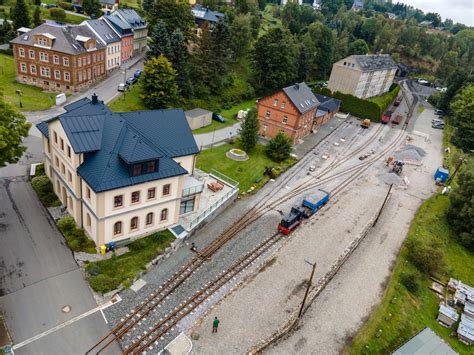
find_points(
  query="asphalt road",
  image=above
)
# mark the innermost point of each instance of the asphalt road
(38, 277)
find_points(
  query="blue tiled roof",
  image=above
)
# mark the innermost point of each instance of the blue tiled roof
(77, 104)
(328, 104)
(118, 24)
(43, 128)
(111, 142)
(131, 17)
(206, 14)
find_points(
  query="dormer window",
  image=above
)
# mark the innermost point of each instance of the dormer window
(137, 170)
(150, 167)
(42, 41)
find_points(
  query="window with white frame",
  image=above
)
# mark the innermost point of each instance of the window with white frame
(66, 61)
(44, 57)
(55, 59)
(275, 102)
(42, 41)
(33, 69)
(31, 54)
(267, 114)
(284, 120)
(23, 67)
(57, 75)
(67, 76)
(21, 52)
(45, 72)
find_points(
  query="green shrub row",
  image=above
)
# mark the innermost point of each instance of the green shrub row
(76, 238)
(44, 188)
(65, 5)
(361, 108)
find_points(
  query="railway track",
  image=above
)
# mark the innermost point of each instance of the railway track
(150, 339)
(154, 299)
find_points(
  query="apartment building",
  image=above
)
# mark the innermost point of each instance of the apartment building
(112, 41)
(59, 57)
(363, 75)
(290, 110)
(124, 30)
(139, 28)
(121, 175)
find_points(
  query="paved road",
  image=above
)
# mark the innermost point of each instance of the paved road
(38, 276)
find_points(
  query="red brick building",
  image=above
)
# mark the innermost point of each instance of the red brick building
(59, 58)
(290, 110)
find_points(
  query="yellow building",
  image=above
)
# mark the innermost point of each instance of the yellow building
(121, 175)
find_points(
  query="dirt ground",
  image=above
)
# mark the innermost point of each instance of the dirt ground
(264, 302)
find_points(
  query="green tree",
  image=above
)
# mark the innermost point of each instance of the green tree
(180, 61)
(448, 65)
(321, 42)
(460, 213)
(456, 81)
(6, 32)
(359, 46)
(304, 63)
(92, 7)
(246, 6)
(249, 131)
(274, 60)
(175, 14)
(279, 147)
(330, 7)
(57, 14)
(20, 15)
(147, 5)
(434, 18)
(37, 17)
(241, 35)
(462, 109)
(37, 2)
(13, 128)
(159, 43)
(159, 87)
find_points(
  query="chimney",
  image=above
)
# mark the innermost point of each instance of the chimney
(94, 99)
(297, 86)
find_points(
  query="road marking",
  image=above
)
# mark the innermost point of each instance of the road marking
(65, 324)
(103, 316)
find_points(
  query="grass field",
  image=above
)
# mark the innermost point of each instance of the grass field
(107, 275)
(402, 314)
(33, 98)
(245, 172)
(131, 102)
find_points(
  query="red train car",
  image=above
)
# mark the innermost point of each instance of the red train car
(387, 116)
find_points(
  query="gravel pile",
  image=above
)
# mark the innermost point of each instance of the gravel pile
(391, 178)
(409, 155)
(419, 150)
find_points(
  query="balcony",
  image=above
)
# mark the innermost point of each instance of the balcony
(193, 184)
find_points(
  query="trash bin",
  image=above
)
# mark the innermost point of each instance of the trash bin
(112, 246)
(103, 249)
(441, 174)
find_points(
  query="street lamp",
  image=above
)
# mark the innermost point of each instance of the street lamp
(19, 93)
(307, 289)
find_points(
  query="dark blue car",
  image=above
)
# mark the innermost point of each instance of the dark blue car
(137, 74)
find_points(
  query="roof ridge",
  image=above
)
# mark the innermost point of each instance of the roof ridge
(147, 141)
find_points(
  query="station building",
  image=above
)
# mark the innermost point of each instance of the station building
(121, 175)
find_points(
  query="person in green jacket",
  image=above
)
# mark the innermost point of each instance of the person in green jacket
(215, 324)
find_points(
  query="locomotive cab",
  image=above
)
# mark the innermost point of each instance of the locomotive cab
(292, 221)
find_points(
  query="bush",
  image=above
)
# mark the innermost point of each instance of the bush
(66, 224)
(94, 270)
(427, 256)
(44, 188)
(386, 99)
(40, 170)
(103, 283)
(65, 5)
(279, 148)
(354, 105)
(57, 14)
(411, 281)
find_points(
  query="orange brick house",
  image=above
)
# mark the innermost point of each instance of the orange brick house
(290, 110)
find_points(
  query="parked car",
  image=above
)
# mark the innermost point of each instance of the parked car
(437, 125)
(122, 87)
(51, 6)
(132, 80)
(218, 118)
(137, 74)
(437, 120)
(439, 112)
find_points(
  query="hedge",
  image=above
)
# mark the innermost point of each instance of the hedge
(76, 238)
(44, 188)
(360, 107)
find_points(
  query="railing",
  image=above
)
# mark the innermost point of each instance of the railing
(212, 208)
(192, 190)
(224, 178)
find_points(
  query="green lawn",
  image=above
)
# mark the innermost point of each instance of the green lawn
(229, 115)
(107, 275)
(401, 314)
(131, 102)
(70, 18)
(33, 98)
(245, 172)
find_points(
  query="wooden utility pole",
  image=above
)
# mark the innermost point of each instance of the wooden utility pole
(307, 288)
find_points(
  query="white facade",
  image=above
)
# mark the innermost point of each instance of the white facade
(113, 56)
(143, 209)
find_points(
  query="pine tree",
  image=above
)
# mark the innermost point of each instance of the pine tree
(37, 17)
(462, 108)
(147, 5)
(303, 63)
(180, 60)
(249, 131)
(159, 87)
(92, 7)
(20, 15)
(38, 2)
(160, 41)
(279, 148)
